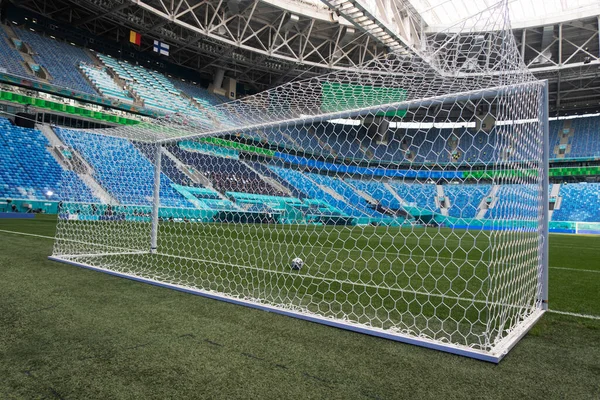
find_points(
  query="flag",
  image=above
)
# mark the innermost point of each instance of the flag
(135, 38)
(161, 48)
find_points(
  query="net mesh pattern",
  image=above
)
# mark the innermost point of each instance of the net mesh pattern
(405, 197)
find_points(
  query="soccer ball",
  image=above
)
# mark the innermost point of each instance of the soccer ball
(297, 264)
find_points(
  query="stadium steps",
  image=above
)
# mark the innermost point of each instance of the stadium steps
(294, 192)
(192, 100)
(291, 139)
(196, 176)
(395, 194)
(565, 135)
(327, 190)
(268, 180)
(554, 193)
(79, 165)
(370, 199)
(115, 77)
(483, 207)
(440, 195)
(12, 35)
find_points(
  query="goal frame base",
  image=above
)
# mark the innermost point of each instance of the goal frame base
(500, 350)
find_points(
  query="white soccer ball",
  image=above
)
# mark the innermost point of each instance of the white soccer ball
(297, 263)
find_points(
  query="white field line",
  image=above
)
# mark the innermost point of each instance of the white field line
(577, 269)
(71, 240)
(572, 314)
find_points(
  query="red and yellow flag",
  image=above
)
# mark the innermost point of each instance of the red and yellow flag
(135, 38)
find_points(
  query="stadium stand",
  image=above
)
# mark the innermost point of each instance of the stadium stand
(514, 201)
(29, 171)
(105, 83)
(421, 195)
(126, 165)
(464, 199)
(153, 88)
(586, 137)
(226, 174)
(378, 191)
(60, 59)
(580, 202)
(10, 59)
(201, 95)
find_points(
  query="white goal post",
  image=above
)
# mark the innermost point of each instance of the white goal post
(413, 192)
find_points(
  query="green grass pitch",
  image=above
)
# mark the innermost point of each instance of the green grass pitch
(68, 333)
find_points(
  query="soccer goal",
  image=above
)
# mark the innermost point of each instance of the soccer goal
(407, 199)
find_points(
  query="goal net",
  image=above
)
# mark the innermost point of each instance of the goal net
(407, 199)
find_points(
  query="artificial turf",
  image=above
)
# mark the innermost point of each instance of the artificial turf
(69, 333)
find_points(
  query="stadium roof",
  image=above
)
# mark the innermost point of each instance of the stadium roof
(439, 14)
(265, 43)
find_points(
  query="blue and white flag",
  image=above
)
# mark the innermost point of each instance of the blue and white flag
(161, 48)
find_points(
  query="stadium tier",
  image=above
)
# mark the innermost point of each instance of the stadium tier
(29, 171)
(10, 59)
(580, 202)
(465, 199)
(128, 165)
(379, 191)
(33, 172)
(201, 95)
(60, 59)
(153, 88)
(104, 83)
(226, 174)
(72, 67)
(585, 140)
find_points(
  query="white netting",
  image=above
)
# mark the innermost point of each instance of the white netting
(412, 191)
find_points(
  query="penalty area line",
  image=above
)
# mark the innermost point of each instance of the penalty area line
(28, 234)
(572, 314)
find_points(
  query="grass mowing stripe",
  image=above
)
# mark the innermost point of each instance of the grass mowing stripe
(402, 254)
(348, 282)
